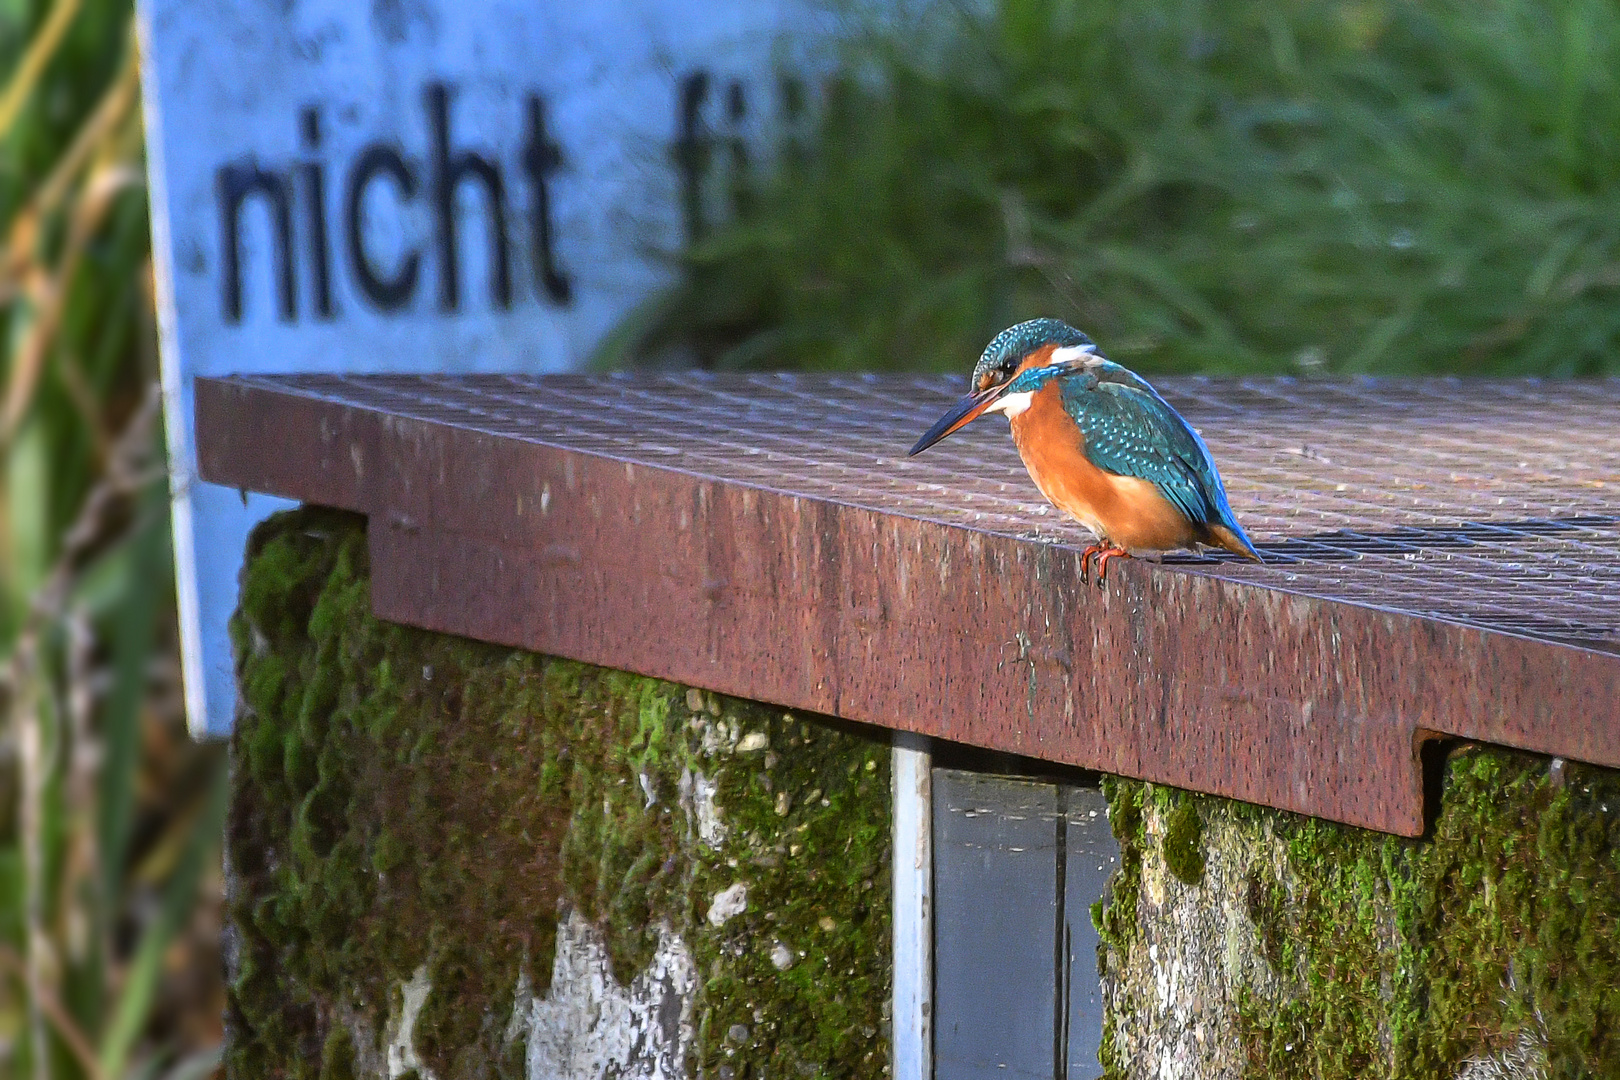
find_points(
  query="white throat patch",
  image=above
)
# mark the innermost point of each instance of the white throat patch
(1012, 404)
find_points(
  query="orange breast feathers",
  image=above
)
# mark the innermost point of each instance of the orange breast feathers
(1122, 510)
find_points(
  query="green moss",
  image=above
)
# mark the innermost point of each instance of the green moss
(404, 799)
(1183, 835)
(1115, 917)
(1393, 957)
(810, 836)
(337, 1055)
(1265, 901)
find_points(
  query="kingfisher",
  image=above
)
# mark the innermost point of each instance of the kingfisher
(1101, 445)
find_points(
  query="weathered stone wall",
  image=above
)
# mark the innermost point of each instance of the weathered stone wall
(1240, 942)
(452, 860)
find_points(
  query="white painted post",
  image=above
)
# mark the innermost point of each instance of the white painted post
(913, 908)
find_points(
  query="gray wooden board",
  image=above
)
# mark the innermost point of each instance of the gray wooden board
(1008, 946)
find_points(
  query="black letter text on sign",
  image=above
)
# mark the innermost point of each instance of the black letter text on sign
(448, 172)
(315, 202)
(387, 292)
(236, 184)
(541, 158)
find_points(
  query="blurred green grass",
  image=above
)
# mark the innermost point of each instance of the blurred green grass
(109, 815)
(1319, 186)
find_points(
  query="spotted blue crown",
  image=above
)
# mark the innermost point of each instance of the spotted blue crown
(1010, 346)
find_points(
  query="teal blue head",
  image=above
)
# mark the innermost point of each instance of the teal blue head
(1010, 351)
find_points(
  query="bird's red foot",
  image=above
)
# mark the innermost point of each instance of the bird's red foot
(1085, 562)
(1101, 553)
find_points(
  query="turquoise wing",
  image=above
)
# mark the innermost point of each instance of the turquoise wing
(1131, 431)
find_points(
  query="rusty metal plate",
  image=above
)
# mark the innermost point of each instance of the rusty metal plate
(1443, 558)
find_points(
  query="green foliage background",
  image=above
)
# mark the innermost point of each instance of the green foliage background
(109, 814)
(1326, 186)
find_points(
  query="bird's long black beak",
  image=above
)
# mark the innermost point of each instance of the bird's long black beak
(961, 414)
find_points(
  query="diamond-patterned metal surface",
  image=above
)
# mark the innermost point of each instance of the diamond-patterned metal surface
(1494, 504)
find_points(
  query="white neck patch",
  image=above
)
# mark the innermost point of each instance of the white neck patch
(1073, 354)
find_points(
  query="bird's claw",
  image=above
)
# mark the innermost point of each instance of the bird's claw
(1102, 563)
(1101, 553)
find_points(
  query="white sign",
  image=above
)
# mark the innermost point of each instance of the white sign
(421, 185)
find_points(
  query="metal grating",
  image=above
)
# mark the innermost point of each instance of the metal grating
(1492, 504)
(1443, 558)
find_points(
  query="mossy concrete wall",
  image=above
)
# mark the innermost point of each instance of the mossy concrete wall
(453, 860)
(1241, 942)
